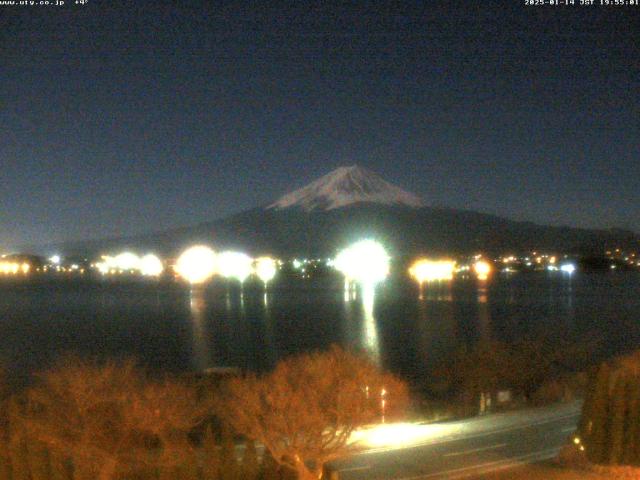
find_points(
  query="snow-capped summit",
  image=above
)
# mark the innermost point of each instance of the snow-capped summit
(346, 186)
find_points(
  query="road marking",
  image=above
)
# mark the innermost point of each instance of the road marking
(487, 467)
(355, 469)
(481, 449)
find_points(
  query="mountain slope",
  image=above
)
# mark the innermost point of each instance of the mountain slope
(351, 203)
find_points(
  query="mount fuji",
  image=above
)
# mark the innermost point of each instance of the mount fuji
(347, 186)
(351, 203)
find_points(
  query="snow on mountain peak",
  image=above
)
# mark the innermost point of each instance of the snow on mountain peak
(346, 186)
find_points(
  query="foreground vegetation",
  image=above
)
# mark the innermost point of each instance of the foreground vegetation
(536, 371)
(84, 421)
(609, 430)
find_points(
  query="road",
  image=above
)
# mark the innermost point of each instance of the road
(462, 449)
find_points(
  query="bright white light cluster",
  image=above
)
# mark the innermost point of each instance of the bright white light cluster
(235, 265)
(365, 261)
(149, 265)
(265, 268)
(424, 270)
(568, 268)
(197, 264)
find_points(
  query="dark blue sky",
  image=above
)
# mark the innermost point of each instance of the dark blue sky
(126, 117)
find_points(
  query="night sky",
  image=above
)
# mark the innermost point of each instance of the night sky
(122, 117)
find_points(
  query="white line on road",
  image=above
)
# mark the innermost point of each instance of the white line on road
(474, 450)
(355, 469)
(487, 467)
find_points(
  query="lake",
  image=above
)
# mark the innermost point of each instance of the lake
(169, 326)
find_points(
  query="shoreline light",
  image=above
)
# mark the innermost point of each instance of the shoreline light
(265, 269)
(482, 269)
(196, 264)
(425, 270)
(365, 262)
(151, 265)
(236, 265)
(568, 268)
(127, 261)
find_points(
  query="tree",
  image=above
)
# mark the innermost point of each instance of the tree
(109, 419)
(596, 418)
(610, 425)
(250, 465)
(619, 406)
(305, 411)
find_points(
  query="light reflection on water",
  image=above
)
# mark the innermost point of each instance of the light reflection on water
(201, 346)
(169, 326)
(370, 340)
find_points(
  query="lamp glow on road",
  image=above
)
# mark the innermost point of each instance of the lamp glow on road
(235, 265)
(425, 270)
(196, 264)
(265, 268)
(393, 436)
(365, 261)
(151, 265)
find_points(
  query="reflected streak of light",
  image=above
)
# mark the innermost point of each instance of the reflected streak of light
(371, 341)
(201, 351)
(484, 315)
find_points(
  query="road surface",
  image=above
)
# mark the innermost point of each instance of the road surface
(462, 449)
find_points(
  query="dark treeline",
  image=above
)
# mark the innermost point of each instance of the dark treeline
(539, 370)
(85, 420)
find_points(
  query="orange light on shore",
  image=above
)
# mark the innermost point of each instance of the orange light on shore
(482, 269)
(425, 270)
(13, 268)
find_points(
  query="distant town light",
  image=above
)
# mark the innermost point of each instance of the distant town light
(424, 270)
(151, 265)
(196, 264)
(265, 268)
(365, 261)
(235, 265)
(55, 259)
(568, 268)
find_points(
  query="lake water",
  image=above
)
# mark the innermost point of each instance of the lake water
(171, 327)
